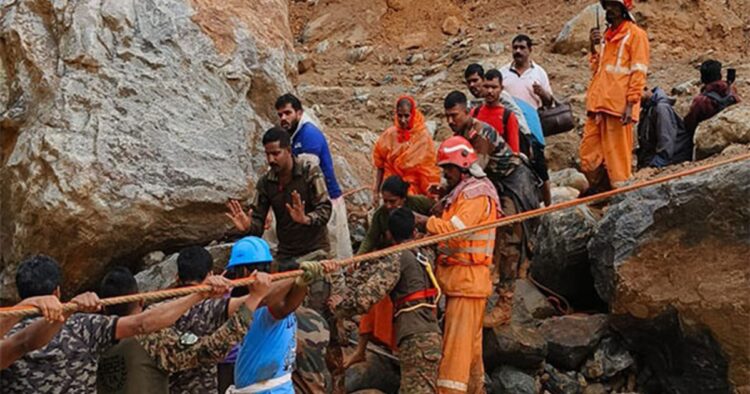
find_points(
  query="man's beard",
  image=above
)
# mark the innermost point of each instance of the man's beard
(291, 127)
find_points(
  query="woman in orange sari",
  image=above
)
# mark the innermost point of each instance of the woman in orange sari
(406, 149)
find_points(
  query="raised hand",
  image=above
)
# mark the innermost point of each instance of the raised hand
(50, 306)
(238, 216)
(297, 209)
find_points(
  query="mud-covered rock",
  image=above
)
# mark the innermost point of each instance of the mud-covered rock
(683, 244)
(529, 304)
(376, 373)
(731, 126)
(571, 339)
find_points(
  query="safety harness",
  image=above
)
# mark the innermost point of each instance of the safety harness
(431, 295)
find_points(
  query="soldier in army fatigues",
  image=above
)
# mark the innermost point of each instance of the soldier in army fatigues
(407, 278)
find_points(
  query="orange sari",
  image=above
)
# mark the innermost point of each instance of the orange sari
(408, 153)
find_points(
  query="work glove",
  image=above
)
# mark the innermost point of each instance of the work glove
(311, 272)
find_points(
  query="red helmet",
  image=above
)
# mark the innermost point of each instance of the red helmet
(457, 151)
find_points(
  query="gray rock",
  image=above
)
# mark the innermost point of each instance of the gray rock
(519, 346)
(685, 88)
(414, 58)
(571, 339)
(322, 46)
(359, 54)
(152, 258)
(561, 260)
(529, 303)
(558, 382)
(562, 194)
(164, 274)
(731, 126)
(574, 36)
(131, 127)
(569, 177)
(376, 373)
(511, 380)
(609, 359)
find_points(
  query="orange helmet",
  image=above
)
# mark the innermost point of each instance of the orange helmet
(458, 151)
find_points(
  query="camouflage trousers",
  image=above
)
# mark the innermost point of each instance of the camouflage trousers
(420, 358)
(313, 336)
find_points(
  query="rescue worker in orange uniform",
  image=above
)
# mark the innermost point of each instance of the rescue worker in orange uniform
(463, 264)
(613, 98)
(406, 149)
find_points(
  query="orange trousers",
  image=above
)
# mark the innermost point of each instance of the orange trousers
(606, 141)
(379, 323)
(461, 368)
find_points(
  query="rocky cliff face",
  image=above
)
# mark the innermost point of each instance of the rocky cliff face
(126, 124)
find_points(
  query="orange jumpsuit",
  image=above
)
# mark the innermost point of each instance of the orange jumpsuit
(409, 154)
(464, 277)
(620, 69)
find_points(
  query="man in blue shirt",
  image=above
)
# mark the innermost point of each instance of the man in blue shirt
(539, 162)
(308, 140)
(265, 361)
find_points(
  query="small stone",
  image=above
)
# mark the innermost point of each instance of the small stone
(510, 380)
(305, 65)
(609, 359)
(359, 54)
(684, 88)
(414, 58)
(322, 46)
(595, 388)
(560, 382)
(153, 258)
(396, 5)
(570, 339)
(529, 303)
(569, 177)
(491, 27)
(451, 26)
(417, 78)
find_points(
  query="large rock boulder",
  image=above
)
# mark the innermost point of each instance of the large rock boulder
(684, 244)
(731, 126)
(561, 259)
(511, 344)
(127, 124)
(571, 339)
(574, 36)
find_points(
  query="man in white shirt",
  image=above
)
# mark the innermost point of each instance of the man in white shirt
(525, 79)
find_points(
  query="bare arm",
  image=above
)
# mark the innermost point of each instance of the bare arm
(285, 298)
(376, 188)
(156, 318)
(30, 338)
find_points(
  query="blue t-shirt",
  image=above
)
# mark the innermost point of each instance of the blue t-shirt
(309, 139)
(532, 119)
(267, 352)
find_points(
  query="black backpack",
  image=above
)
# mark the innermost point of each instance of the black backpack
(721, 102)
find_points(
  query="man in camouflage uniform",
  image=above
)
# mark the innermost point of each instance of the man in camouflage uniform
(295, 190)
(407, 278)
(143, 364)
(68, 363)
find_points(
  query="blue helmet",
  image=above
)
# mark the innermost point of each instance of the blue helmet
(250, 250)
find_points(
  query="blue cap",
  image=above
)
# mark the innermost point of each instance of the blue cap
(250, 250)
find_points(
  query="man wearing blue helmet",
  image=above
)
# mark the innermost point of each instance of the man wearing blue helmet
(265, 360)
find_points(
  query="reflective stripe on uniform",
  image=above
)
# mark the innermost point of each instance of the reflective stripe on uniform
(261, 386)
(457, 223)
(452, 385)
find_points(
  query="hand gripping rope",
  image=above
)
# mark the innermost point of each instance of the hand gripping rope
(19, 311)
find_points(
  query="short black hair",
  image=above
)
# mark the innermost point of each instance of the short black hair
(395, 185)
(710, 71)
(472, 69)
(401, 224)
(523, 37)
(453, 99)
(277, 134)
(288, 98)
(119, 281)
(38, 275)
(193, 264)
(494, 74)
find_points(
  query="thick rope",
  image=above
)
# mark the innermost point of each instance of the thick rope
(20, 311)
